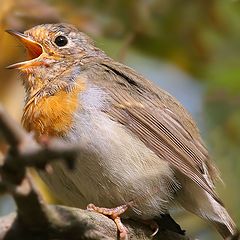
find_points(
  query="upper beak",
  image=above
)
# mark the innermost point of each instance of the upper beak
(34, 49)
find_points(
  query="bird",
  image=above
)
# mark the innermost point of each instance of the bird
(140, 152)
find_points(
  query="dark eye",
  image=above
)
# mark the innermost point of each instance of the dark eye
(61, 41)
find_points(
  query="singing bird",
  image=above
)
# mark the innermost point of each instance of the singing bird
(140, 152)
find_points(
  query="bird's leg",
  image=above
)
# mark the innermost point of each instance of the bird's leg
(114, 214)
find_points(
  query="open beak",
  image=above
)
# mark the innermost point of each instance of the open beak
(34, 50)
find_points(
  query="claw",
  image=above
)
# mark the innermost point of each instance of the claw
(153, 225)
(114, 214)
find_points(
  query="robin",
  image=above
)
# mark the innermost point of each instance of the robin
(140, 152)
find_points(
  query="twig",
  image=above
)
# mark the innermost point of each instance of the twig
(11, 131)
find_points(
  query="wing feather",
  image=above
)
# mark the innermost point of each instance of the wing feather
(159, 121)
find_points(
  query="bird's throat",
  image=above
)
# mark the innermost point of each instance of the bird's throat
(52, 115)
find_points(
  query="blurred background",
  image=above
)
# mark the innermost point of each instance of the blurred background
(189, 48)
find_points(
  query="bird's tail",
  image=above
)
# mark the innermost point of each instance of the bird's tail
(221, 220)
(196, 200)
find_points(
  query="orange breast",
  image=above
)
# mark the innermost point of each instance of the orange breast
(52, 115)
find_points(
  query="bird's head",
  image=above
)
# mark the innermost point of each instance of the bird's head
(52, 50)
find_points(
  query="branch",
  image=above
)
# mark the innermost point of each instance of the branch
(83, 225)
(13, 134)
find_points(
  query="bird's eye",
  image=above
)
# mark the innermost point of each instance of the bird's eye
(61, 41)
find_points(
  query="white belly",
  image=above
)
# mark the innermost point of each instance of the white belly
(113, 168)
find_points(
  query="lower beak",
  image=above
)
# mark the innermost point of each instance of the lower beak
(34, 49)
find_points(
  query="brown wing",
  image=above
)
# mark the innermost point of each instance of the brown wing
(159, 121)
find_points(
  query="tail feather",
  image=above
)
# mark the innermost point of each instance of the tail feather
(220, 219)
(196, 200)
(226, 233)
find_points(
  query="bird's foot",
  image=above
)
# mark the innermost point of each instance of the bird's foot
(114, 214)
